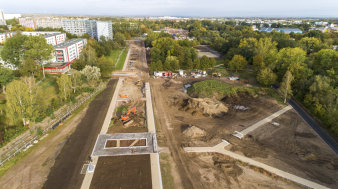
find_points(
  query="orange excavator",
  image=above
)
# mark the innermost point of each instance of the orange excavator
(123, 96)
(125, 116)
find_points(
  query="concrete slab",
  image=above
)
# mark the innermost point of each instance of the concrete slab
(100, 148)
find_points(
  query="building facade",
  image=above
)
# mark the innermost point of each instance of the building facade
(40, 22)
(4, 36)
(77, 27)
(282, 30)
(105, 29)
(2, 18)
(69, 50)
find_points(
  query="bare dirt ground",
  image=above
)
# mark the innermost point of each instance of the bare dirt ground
(66, 171)
(32, 171)
(122, 172)
(292, 146)
(204, 50)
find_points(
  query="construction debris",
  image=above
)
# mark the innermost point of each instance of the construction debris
(194, 132)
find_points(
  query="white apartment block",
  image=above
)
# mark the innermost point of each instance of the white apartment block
(77, 27)
(69, 50)
(105, 29)
(41, 22)
(55, 39)
(27, 22)
(2, 18)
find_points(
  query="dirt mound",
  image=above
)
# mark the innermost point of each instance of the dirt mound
(194, 132)
(206, 106)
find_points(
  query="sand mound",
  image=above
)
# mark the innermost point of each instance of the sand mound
(194, 132)
(206, 106)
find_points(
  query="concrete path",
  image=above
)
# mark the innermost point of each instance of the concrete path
(154, 157)
(244, 132)
(219, 148)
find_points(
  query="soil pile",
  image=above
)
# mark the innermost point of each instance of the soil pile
(206, 106)
(194, 132)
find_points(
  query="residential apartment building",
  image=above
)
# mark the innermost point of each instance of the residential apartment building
(41, 22)
(69, 50)
(2, 18)
(55, 39)
(105, 29)
(4, 36)
(77, 27)
(282, 30)
(93, 28)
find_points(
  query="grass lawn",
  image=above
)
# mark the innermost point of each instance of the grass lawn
(115, 54)
(49, 87)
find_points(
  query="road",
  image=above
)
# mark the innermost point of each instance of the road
(66, 171)
(327, 139)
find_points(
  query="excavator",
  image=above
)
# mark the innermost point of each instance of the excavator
(123, 96)
(125, 116)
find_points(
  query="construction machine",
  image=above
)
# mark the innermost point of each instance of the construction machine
(123, 96)
(126, 120)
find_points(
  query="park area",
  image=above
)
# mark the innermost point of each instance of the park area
(211, 111)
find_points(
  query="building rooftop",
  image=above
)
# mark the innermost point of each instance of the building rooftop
(68, 43)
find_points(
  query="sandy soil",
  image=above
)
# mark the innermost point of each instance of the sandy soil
(32, 171)
(292, 147)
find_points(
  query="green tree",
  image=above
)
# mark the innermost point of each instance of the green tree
(64, 83)
(156, 55)
(285, 87)
(36, 48)
(309, 44)
(75, 77)
(120, 39)
(248, 47)
(6, 76)
(258, 63)
(106, 66)
(266, 77)
(156, 66)
(29, 67)
(268, 50)
(204, 63)
(13, 50)
(238, 62)
(19, 104)
(325, 59)
(171, 63)
(92, 73)
(291, 56)
(87, 57)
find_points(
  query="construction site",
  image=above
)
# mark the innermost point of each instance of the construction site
(242, 141)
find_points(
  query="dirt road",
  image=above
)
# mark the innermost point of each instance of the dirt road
(66, 171)
(32, 171)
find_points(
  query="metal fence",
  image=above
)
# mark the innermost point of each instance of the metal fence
(27, 139)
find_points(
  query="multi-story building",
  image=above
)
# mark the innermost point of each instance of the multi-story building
(282, 30)
(69, 50)
(105, 29)
(2, 18)
(41, 22)
(93, 28)
(77, 27)
(55, 39)
(4, 36)
(27, 22)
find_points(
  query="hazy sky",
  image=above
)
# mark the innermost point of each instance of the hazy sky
(219, 8)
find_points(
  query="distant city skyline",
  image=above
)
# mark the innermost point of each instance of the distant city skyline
(184, 8)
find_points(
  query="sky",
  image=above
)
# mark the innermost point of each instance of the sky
(188, 8)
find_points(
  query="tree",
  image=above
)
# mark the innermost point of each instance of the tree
(248, 47)
(64, 83)
(285, 87)
(6, 76)
(75, 76)
(266, 77)
(120, 39)
(87, 57)
(309, 44)
(36, 48)
(12, 52)
(291, 56)
(171, 63)
(19, 103)
(238, 62)
(325, 59)
(204, 62)
(268, 50)
(92, 73)
(258, 63)
(156, 66)
(106, 66)
(29, 67)
(156, 55)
